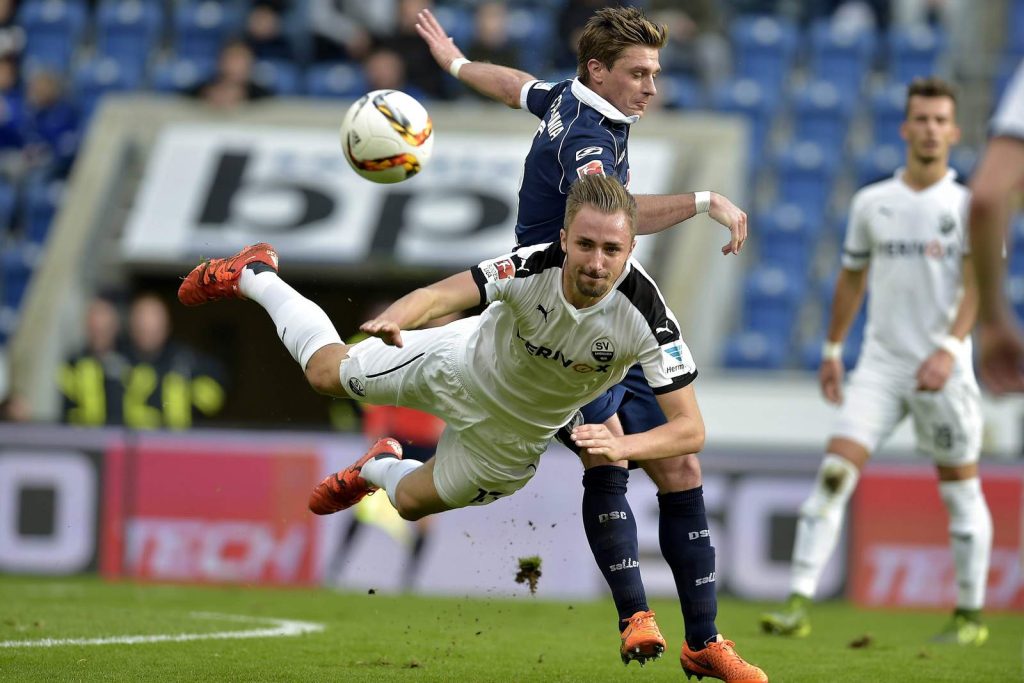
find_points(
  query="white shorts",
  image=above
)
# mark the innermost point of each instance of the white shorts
(477, 459)
(947, 423)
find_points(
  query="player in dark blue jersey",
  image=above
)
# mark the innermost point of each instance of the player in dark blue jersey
(584, 129)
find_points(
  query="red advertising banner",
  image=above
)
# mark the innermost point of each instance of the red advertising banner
(209, 512)
(900, 552)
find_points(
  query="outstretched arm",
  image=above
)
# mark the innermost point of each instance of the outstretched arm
(500, 83)
(660, 211)
(456, 293)
(682, 434)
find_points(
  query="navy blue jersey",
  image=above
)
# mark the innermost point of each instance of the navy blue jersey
(580, 134)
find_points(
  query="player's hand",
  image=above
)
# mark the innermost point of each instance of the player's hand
(1002, 355)
(599, 440)
(441, 45)
(388, 331)
(732, 217)
(830, 376)
(935, 370)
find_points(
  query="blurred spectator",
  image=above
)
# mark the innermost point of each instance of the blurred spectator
(92, 379)
(571, 20)
(697, 45)
(233, 84)
(344, 29)
(385, 70)
(169, 385)
(52, 124)
(264, 32)
(421, 71)
(14, 408)
(491, 42)
(12, 36)
(12, 106)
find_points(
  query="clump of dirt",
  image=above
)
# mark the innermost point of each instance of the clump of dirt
(529, 572)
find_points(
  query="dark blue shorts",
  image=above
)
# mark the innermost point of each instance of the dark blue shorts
(632, 399)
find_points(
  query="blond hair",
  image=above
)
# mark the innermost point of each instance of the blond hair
(611, 31)
(604, 193)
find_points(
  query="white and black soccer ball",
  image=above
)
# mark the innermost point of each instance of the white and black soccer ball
(387, 136)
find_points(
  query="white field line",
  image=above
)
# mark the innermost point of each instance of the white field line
(280, 628)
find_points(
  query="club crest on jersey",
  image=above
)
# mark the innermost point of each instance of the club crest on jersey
(501, 269)
(946, 224)
(356, 386)
(602, 350)
(594, 167)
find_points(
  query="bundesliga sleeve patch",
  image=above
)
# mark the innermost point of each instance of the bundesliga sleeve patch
(594, 167)
(676, 360)
(502, 269)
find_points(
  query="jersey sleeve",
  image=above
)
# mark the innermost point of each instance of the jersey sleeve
(495, 276)
(586, 151)
(1008, 121)
(857, 245)
(666, 359)
(537, 96)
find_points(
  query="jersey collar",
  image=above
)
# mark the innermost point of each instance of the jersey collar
(948, 178)
(595, 101)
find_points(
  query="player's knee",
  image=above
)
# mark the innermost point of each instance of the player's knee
(836, 480)
(408, 508)
(675, 474)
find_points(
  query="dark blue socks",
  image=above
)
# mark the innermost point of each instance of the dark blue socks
(611, 531)
(686, 545)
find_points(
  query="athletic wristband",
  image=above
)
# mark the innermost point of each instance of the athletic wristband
(702, 201)
(457, 64)
(832, 350)
(953, 344)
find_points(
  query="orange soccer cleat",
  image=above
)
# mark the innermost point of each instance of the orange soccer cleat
(642, 639)
(218, 278)
(344, 489)
(719, 660)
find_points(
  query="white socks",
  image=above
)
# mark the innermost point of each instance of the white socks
(303, 326)
(821, 520)
(970, 534)
(385, 473)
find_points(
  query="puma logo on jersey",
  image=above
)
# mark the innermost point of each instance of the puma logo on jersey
(544, 312)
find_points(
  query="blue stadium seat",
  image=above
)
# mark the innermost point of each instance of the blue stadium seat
(755, 351)
(53, 31)
(40, 205)
(764, 48)
(281, 78)
(128, 30)
(336, 80)
(914, 52)
(786, 239)
(532, 31)
(888, 105)
(16, 264)
(822, 112)
(1015, 28)
(805, 174)
(8, 200)
(878, 163)
(680, 92)
(963, 159)
(770, 298)
(841, 55)
(101, 75)
(757, 103)
(202, 27)
(176, 75)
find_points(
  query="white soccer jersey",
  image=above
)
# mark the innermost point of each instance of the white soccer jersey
(534, 358)
(915, 242)
(1009, 117)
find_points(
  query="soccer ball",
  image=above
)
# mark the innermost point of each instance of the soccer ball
(387, 136)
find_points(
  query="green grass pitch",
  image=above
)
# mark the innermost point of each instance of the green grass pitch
(408, 638)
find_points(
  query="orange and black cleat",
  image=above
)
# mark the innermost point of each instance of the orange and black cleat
(344, 489)
(641, 639)
(218, 278)
(719, 660)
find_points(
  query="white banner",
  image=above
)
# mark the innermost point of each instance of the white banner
(209, 189)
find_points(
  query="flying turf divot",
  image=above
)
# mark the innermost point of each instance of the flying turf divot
(278, 628)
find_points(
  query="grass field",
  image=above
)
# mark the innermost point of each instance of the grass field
(405, 638)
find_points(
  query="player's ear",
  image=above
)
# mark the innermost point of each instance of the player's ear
(563, 239)
(596, 70)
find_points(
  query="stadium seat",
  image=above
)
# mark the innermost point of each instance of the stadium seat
(888, 105)
(177, 75)
(680, 92)
(963, 159)
(1015, 28)
(764, 48)
(39, 207)
(758, 104)
(98, 76)
(821, 113)
(532, 31)
(16, 263)
(336, 80)
(786, 239)
(281, 78)
(914, 52)
(8, 200)
(805, 173)
(128, 30)
(770, 298)
(840, 54)
(878, 163)
(53, 31)
(202, 27)
(755, 351)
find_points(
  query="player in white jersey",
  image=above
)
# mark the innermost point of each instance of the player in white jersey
(999, 176)
(916, 361)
